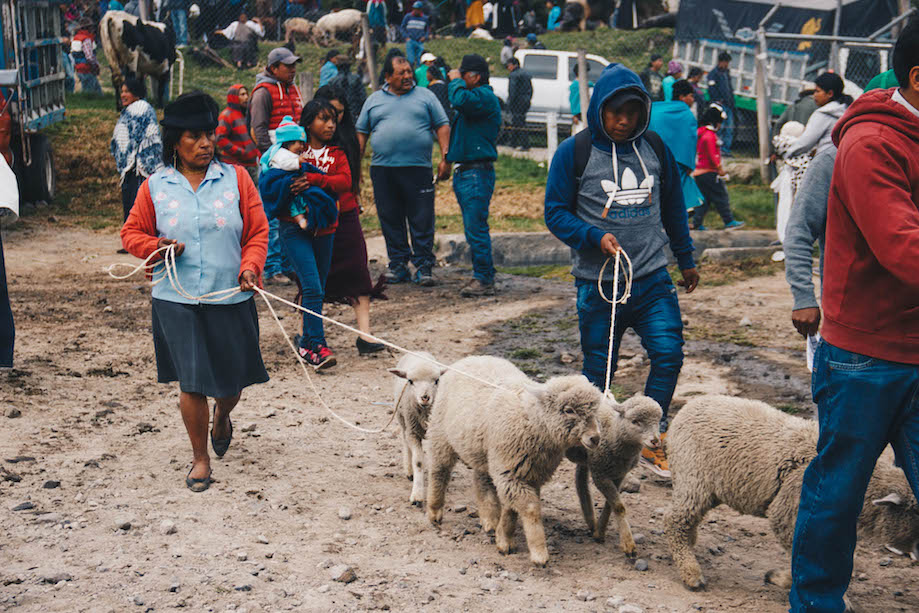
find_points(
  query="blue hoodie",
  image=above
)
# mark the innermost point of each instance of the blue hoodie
(644, 202)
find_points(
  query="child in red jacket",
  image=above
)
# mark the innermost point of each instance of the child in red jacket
(709, 173)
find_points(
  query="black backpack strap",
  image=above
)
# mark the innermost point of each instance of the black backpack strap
(582, 147)
(657, 144)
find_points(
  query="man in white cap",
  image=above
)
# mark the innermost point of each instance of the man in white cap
(421, 73)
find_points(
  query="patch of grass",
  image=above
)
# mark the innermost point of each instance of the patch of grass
(540, 272)
(521, 172)
(753, 204)
(791, 409)
(525, 354)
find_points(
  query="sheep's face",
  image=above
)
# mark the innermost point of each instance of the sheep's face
(571, 405)
(642, 419)
(897, 524)
(421, 383)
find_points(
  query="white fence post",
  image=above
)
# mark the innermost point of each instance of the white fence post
(551, 134)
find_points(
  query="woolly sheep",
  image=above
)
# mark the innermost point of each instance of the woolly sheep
(625, 429)
(418, 378)
(513, 441)
(340, 22)
(307, 30)
(752, 457)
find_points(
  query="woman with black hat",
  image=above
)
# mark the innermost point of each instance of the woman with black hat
(211, 212)
(136, 144)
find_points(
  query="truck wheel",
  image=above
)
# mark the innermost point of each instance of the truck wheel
(41, 176)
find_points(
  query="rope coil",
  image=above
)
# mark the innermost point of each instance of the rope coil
(626, 294)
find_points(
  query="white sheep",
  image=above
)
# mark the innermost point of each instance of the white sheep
(752, 457)
(625, 429)
(414, 391)
(345, 21)
(513, 439)
(305, 30)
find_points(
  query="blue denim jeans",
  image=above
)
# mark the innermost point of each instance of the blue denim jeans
(653, 312)
(413, 51)
(180, 23)
(863, 404)
(727, 131)
(311, 257)
(277, 261)
(473, 189)
(89, 83)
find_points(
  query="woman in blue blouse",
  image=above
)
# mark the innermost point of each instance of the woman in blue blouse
(211, 212)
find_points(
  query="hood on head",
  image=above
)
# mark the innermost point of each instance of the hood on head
(877, 106)
(264, 77)
(233, 95)
(614, 79)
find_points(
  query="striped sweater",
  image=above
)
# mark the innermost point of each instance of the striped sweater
(233, 140)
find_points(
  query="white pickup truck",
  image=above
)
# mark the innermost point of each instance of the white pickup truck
(552, 72)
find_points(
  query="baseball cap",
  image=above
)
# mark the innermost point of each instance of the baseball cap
(282, 55)
(418, 5)
(428, 57)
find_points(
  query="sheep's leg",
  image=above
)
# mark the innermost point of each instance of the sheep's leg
(681, 526)
(524, 499)
(417, 459)
(582, 485)
(781, 578)
(504, 535)
(443, 459)
(487, 501)
(406, 455)
(613, 503)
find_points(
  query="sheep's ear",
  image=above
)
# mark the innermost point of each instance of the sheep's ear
(399, 373)
(536, 389)
(892, 499)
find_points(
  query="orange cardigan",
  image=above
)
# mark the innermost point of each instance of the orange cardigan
(139, 237)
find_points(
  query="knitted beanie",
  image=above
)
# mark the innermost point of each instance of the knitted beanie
(288, 131)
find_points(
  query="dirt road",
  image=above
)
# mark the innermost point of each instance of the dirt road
(101, 454)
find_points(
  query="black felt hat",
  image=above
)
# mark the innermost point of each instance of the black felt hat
(191, 111)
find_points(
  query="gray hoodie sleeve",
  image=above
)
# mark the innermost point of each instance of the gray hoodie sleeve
(818, 126)
(806, 225)
(259, 113)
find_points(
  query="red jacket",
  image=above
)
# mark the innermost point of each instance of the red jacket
(233, 140)
(337, 178)
(871, 261)
(139, 235)
(708, 157)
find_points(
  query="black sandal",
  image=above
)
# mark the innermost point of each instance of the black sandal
(221, 445)
(197, 485)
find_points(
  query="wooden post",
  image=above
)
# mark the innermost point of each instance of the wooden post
(369, 56)
(305, 85)
(763, 104)
(582, 84)
(552, 133)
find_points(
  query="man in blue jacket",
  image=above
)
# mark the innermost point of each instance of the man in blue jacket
(721, 90)
(628, 197)
(473, 139)
(416, 28)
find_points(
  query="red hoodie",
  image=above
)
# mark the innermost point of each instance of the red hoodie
(871, 270)
(233, 140)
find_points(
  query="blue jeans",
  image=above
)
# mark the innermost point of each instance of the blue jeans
(413, 51)
(863, 404)
(276, 262)
(405, 194)
(180, 23)
(473, 189)
(89, 83)
(653, 312)
(311, 257)
(727, 131)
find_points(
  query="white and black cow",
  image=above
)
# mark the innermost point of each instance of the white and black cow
(134, 47)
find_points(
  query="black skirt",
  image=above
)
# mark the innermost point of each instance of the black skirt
(210, 349)
(349, 276)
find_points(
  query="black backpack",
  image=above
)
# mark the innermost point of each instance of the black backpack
(582, 146)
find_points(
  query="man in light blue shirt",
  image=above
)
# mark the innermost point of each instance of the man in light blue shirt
(400, 121)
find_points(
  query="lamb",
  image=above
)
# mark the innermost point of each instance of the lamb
(342, 22)
(626, 428)
(306, 30)
(414, 391)
(752, 457)
(513, 441)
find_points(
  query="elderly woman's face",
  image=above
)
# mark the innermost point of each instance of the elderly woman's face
(127, 97)
(195, 149)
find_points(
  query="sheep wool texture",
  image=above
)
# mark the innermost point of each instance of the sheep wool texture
(752, 457)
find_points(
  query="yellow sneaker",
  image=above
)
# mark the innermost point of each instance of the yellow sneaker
(655, 460)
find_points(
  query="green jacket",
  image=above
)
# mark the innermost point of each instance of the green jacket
(474, 133)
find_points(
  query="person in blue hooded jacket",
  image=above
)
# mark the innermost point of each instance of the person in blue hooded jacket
(628, 197)
(676, 125)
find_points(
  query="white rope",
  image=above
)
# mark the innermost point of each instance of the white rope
(169, 272)
(626, 294)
